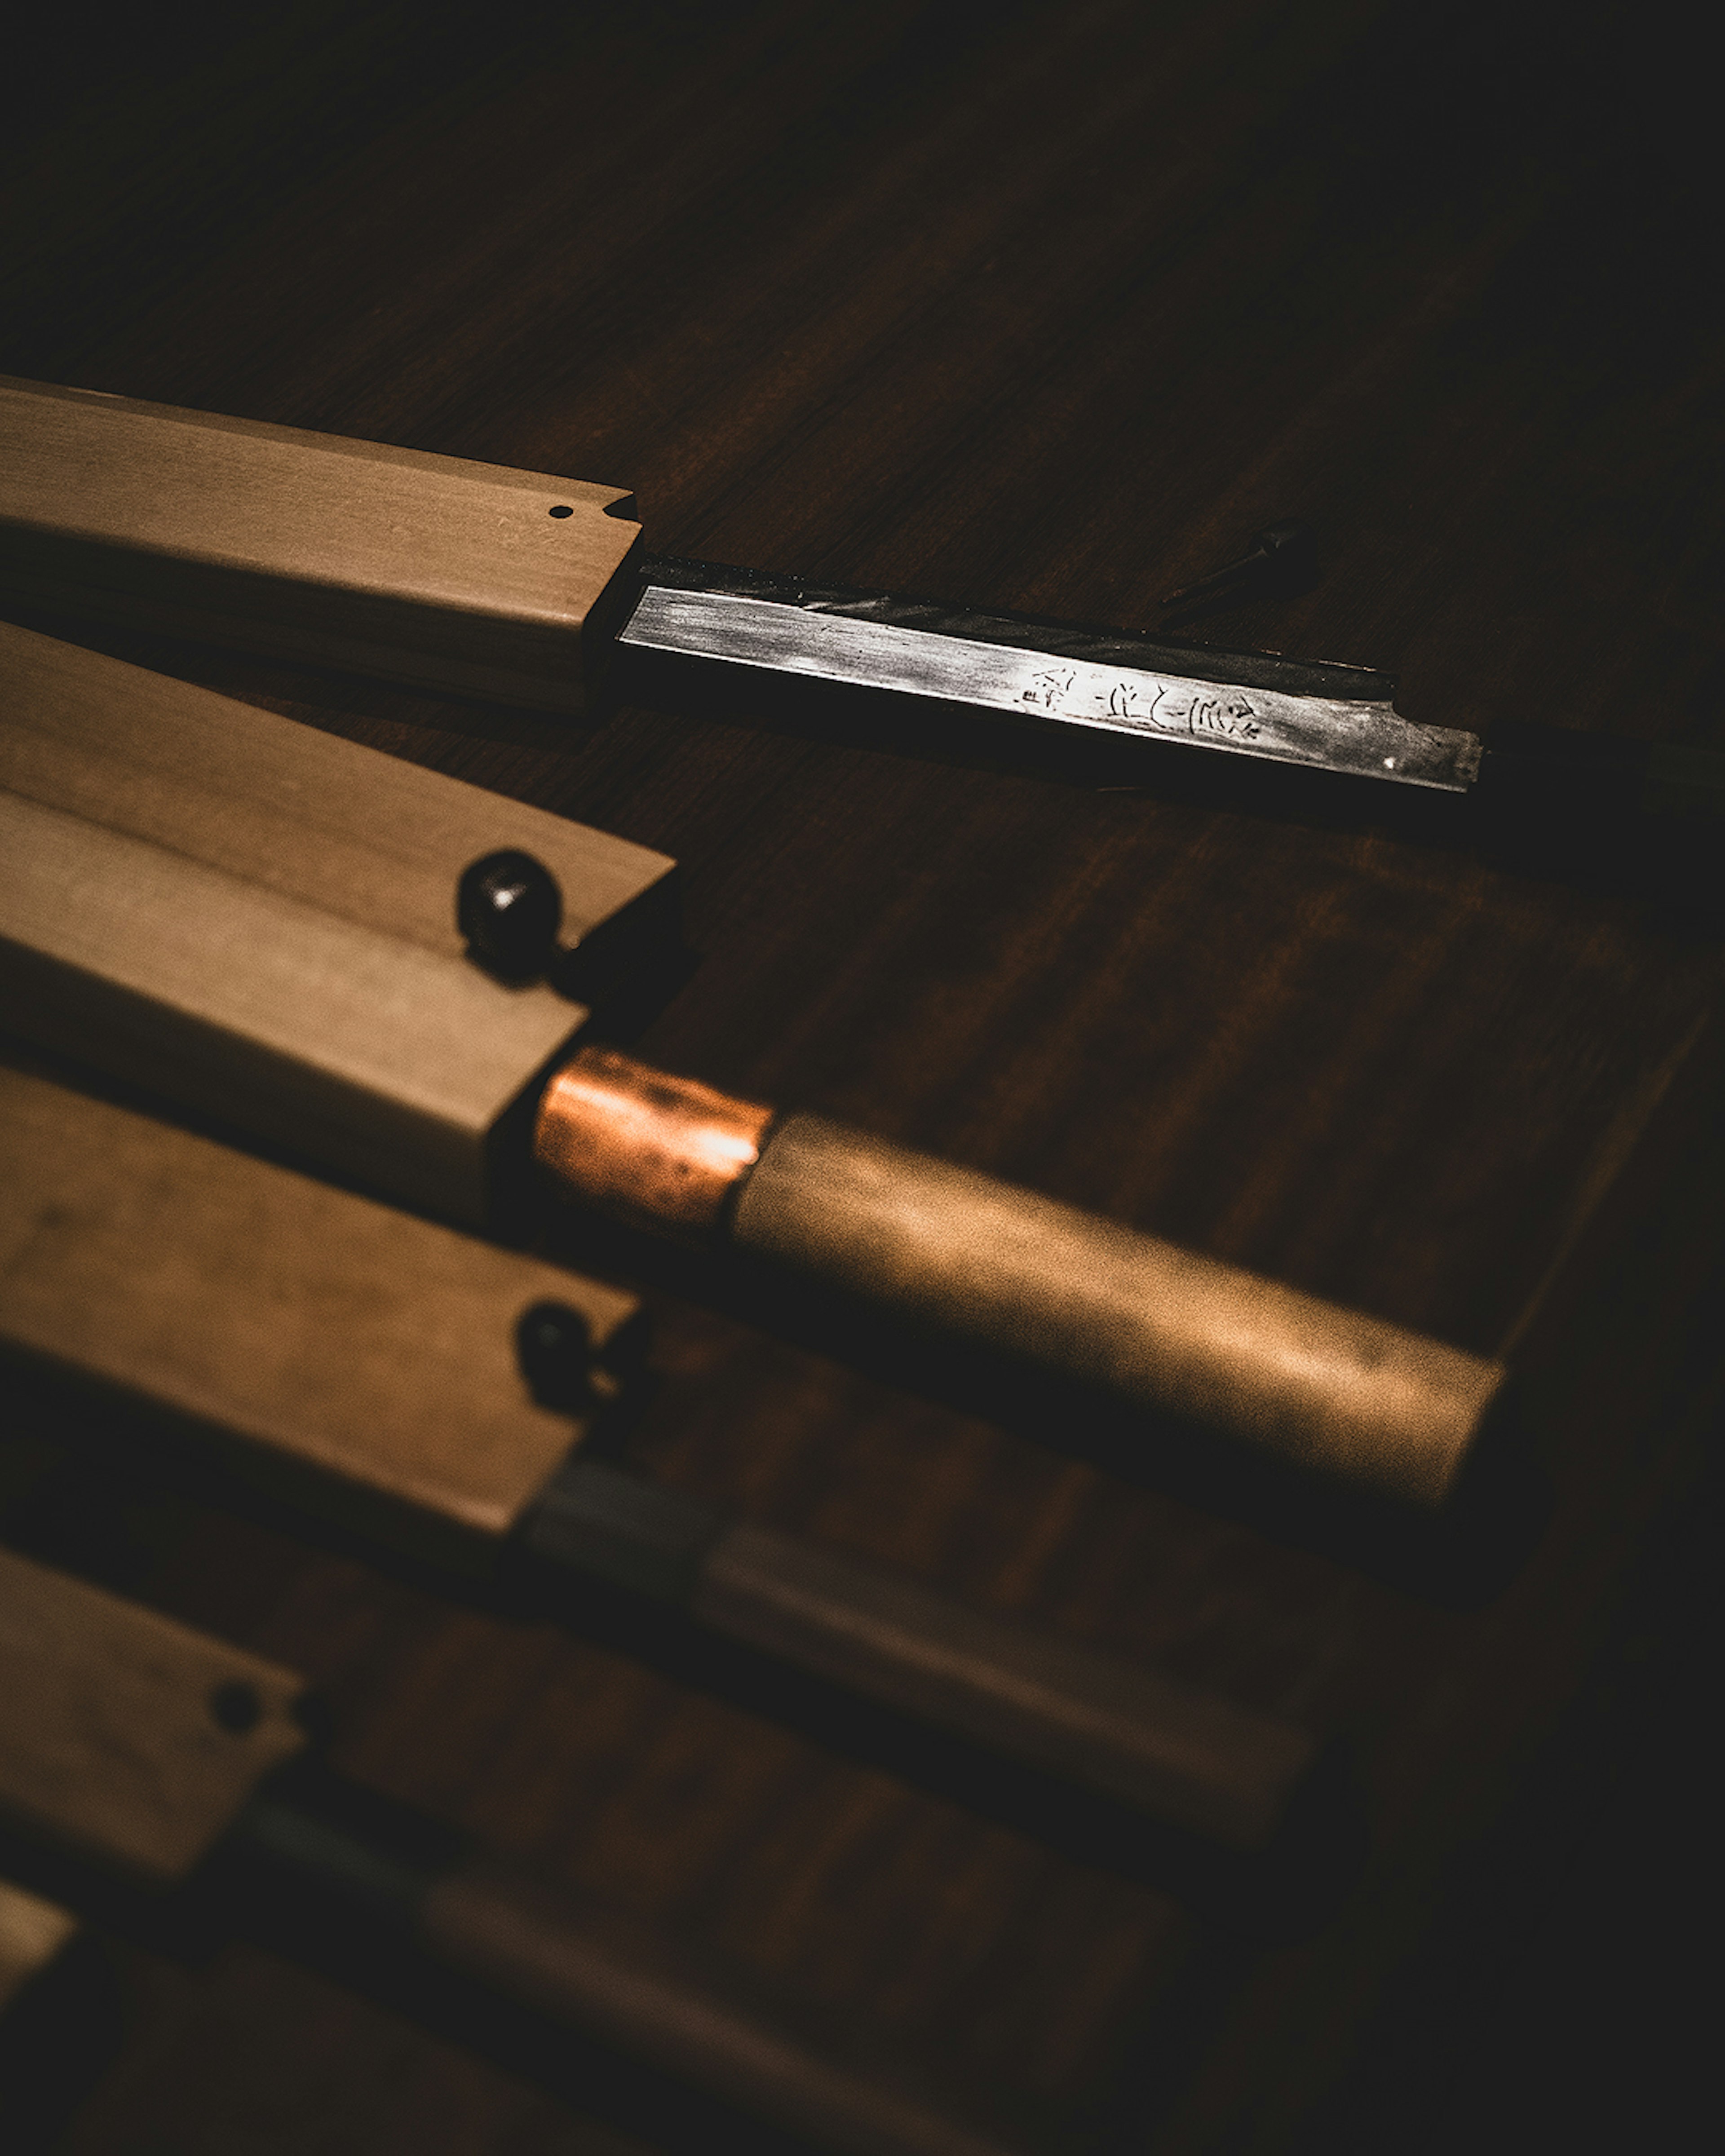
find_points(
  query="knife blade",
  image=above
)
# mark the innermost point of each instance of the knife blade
(1324, 716)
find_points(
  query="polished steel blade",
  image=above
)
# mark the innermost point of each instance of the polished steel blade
(834, 642)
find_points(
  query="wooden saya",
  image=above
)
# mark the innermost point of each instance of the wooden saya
(455, 576)
(257, 919)
(143, 1750)
(349, 1356)
(33, 1934)
(129, 1740)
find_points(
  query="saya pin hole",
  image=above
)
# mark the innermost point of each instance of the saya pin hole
(563, 510)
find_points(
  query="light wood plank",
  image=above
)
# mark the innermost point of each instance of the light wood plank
(354, 832)
(126, 1737)
(33, 1931)
(429, 569)
(298, 1327)
(260, 918)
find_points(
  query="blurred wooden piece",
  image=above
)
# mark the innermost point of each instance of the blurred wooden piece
(1173, 1752)
(33, 1931)
(457, 576)
(138, 1744)
(126, 1738)
(519, 1936)
(314, 1331)
(230, 907)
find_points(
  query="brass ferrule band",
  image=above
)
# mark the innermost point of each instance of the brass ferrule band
(656, 1151)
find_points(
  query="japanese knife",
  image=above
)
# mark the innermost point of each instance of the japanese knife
(280, 929)
(529, 588)
(161, 1780)
(428, 1392)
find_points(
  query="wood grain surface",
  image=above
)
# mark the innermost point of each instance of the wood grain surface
(148, 515)
(1051, 309)
(311, 1328)
(229, 906)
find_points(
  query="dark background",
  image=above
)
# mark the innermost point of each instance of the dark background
(1044, 308)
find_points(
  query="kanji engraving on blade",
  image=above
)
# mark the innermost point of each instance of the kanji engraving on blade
(1358, 735)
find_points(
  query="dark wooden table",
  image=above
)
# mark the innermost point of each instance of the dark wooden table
(1044, 308)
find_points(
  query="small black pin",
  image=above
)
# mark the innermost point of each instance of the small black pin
(508, 911)
(1283, 560)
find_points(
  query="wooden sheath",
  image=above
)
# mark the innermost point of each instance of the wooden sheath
(126, 1738)
(462, 576)
(362, 1352)
(32, 1933)
(259, 919)
(136, 1744)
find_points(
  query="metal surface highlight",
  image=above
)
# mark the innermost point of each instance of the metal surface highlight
(656, 1151)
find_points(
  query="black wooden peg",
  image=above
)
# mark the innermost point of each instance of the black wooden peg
(553, 1347)
(508, 910)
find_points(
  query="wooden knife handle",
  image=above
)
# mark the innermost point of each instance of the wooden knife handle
(545, 1950)
(1161, 1329)
(316, 1856)
(1167, 1751)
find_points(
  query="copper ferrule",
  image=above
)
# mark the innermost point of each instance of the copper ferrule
(656, 1151)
